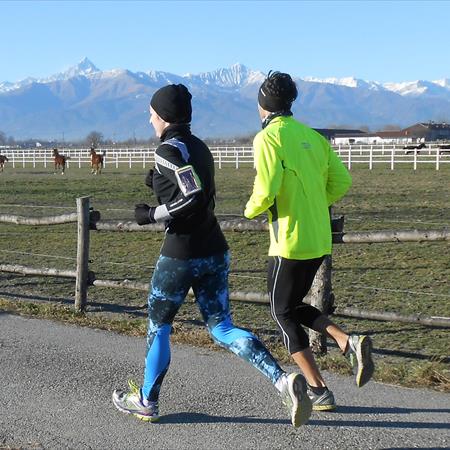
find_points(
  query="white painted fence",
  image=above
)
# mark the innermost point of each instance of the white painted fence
(114, 156)
(389, 155)
(392, 155)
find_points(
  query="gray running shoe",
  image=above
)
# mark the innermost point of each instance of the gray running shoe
(322, 402)
(294, 396)
(360, 353)
(130, 403)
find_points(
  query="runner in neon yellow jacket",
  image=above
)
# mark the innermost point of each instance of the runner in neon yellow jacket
(298, 177)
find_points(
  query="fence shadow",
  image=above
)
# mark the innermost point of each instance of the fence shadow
(399, 353)
(140, 311)
(379, 268)
(409, 355)
(389, 424)
(387, 410)
(63, 300)
(380, 424)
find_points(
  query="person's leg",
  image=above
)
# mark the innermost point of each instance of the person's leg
(358, 348)
(324, 325)
(211, 291)
(303, 273)
(169, 286)
(307, 364)
(288, 282)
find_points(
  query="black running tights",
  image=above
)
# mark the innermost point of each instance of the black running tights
(288, 282)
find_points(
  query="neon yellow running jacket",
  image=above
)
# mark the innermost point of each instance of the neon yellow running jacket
(298, 176)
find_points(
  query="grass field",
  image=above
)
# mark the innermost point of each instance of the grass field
(406, 278)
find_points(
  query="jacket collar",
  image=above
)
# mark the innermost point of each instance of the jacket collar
(176, 130)
(274, 115)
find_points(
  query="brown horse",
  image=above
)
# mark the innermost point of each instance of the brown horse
(96, 162)
(3, 159)
(60, 161)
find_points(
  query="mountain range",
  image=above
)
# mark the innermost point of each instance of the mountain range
(115, 102)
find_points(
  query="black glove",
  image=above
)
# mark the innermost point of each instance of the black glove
(149, 179)
(144, 214)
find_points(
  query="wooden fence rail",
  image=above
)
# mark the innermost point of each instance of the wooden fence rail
(54, 220)
(320, 295)
(368, 237)
(46, 271)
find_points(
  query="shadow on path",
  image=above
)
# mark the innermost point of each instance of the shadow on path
(386, 410)
(380, 424)
(189, 417)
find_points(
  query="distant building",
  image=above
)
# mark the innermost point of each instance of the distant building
(364, 138)
(428, 132)
(420, 132)
(392, 137)
(332, 133)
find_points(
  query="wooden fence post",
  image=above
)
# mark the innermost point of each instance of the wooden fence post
(321, 297)
(81, 283)
(321, 292)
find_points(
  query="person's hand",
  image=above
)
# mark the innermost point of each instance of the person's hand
(244, 216)
(149, 179)
(144, 214)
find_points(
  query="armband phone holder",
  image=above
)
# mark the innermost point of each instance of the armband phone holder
(188, 181)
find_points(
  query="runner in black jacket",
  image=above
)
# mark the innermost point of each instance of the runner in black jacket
(192, 228)
(194, 254)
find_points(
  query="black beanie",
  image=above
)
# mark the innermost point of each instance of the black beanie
(277, 92)
(173, 103)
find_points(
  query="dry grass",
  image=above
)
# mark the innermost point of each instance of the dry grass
(413, 277)
(432, 374)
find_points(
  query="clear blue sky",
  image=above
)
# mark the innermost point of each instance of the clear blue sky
(372, 40)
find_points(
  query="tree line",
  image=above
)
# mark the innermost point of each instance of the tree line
(96, 139)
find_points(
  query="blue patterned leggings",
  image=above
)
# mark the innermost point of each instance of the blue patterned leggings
(208, 278)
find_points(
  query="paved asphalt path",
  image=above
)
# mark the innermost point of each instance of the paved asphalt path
(57, 379)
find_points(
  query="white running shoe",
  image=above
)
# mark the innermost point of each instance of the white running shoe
(359, 351)
(294, 396)
(322, 402)
(131, 403)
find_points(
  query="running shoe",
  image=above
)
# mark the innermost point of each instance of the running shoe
(294, 396)
(359, 350)
(322, 402)
(131, 403)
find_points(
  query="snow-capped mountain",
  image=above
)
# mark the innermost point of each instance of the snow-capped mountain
(83, 69)
(445, 82)
(411, 88)
(115, 102)
(351, 82)
(420, 87)
(236, 76)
